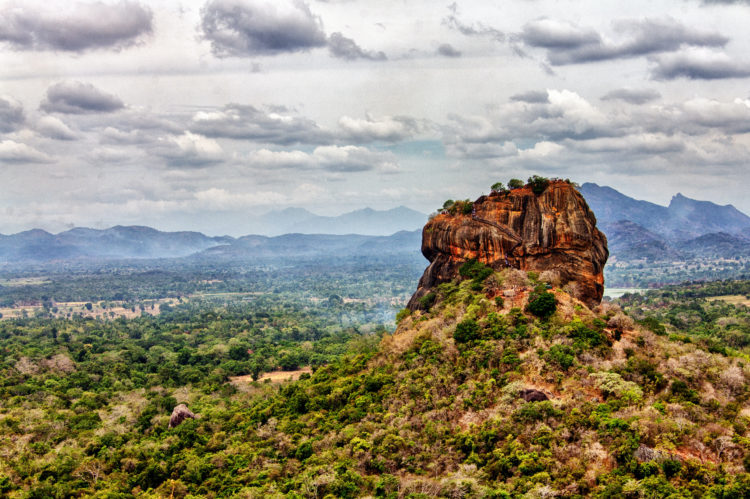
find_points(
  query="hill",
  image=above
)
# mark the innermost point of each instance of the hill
(115, 242)
(682, 226)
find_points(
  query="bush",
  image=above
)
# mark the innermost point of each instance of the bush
(562, 355)
(474, 269)
(653, 325)
(467, 330)
(542, 304)
(538, 184)
(515, 183)
(402, 314)
(427, 300)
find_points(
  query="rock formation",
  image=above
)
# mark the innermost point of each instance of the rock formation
(551, 231)
(179, 415)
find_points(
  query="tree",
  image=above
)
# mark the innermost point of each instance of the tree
(467, 330)
(515, 183)
(498, 187)
(538, 184)
(542, 304)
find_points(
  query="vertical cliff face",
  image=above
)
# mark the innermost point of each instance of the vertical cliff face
(554, 230)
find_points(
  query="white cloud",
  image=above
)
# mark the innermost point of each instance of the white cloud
(54, 128)
(16, 152)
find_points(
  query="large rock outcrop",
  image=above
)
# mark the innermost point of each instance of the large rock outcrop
(554, 231)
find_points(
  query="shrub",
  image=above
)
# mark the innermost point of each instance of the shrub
(653, 325)
(538, 184)
(562, 355)
(427, 300)
(466, 330)
(542, 304)
(583, 336)
(402, 314)
(515, 183)
(467, 207)
(474, 269)
(612, 384)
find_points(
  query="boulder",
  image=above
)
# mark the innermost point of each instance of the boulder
(179, 415)
(554, 230)
(532, 395)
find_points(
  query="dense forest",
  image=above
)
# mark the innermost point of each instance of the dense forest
(648, 400)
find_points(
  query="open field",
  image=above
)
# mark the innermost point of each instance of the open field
(732, 299)
(100, 310)
(271, 377)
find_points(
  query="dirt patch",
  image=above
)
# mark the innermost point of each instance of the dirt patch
(272, 377)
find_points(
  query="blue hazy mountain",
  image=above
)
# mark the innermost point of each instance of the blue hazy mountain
(685, 228)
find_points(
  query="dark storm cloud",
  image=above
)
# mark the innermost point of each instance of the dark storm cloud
(567, 43)
(632, 96)
(476, 29)
(447, 50)
(11, 114)
(245, 28)
(698, 66)
(346, 48)
(276, 126)
(532, 97)
(74, 97)
(83, 27)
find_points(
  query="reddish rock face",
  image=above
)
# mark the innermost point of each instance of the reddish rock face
(554, 230)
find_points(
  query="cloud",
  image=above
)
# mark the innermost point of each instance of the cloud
(477, 29)
(16, 152)
(73, 97)
(642, 143)
(632, 96)
(11, 114)
(188, 149)
(270, 125)
(76, 27)
(567, 43)
(346, 48)
(557, 35)
(247, 28)
(447, 50)
(346, 159)
(532, 97)
(54, 128)
(388, 129)
(698, 65)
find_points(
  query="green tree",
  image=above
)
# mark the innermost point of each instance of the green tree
(466, 330)
(515, 183)
(498, 187)
(538, 184)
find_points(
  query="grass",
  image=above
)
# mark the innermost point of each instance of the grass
(732, 299)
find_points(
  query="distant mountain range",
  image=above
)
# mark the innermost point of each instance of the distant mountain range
(365, 222)
(115, 242)
(635, 230)
(684, 229)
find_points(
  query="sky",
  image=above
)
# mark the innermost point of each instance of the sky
(203, 115)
